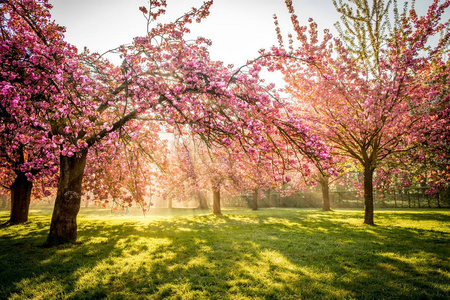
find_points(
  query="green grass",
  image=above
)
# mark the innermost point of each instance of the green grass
(267, 254)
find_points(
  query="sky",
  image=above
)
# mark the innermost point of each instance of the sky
(237, 28)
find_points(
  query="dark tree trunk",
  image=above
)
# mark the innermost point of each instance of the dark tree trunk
(255, 199)
(20, 199)
(368, 195)
(325, 185)
(202, 200)
(63, 228)
(216, 201)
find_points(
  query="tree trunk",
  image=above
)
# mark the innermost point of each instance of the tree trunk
(216, 201)
(255, 198)
(63, 228)
(325, 184)
(202, 200)
(170, 203)
(368, 195)
(20, 199)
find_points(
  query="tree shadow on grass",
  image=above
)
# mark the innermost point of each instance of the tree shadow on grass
(269, 255)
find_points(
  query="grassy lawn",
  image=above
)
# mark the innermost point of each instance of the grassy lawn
(268, 254)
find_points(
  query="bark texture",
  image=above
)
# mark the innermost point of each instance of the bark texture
(324, 182)
(368, 195)
(63, 228)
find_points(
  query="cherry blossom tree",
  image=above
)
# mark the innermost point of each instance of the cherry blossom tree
(27, 153)
(432, 154)
(176, 176)
(196, 166)
(225, 170)
(366, 92)
(258, 175)
(84, 101)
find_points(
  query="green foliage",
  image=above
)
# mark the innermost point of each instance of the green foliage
(364, 28)
(267, 254)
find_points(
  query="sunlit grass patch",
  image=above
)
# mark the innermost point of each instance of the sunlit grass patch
(267, 254)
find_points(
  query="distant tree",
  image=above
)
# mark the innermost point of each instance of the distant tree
(212, 167)
(179, 176)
